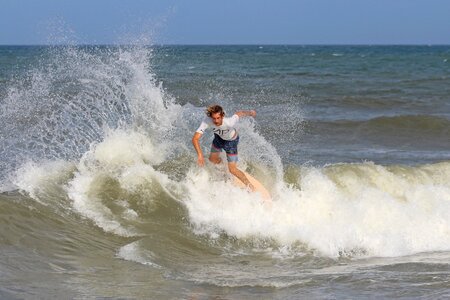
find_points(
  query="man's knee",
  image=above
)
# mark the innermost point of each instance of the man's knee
(215, 159)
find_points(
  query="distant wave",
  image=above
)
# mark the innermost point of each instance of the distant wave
(403, 127)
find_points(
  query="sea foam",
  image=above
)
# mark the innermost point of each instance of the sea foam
(350, 210)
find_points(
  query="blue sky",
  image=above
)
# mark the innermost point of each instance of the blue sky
(225, 22)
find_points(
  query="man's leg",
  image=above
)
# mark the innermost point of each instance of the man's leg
(216, 149)
(214, 157)
(239, 174)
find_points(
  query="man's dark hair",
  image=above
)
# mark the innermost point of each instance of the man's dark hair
(213, 109)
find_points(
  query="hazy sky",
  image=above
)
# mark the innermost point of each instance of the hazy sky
(225, 22)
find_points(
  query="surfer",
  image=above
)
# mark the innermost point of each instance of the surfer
(226, 138)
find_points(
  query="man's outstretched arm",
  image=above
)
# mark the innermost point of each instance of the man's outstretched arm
(243, 113)
(196, 143)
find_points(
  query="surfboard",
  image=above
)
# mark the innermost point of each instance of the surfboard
(259, 188)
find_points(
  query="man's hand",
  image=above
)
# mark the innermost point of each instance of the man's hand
(200, 161)
(252, 113)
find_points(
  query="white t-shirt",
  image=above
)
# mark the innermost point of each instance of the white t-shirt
(226, 131)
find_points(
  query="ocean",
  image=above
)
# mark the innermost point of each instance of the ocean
(101, 196)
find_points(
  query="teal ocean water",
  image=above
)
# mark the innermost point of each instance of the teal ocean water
(101, 196)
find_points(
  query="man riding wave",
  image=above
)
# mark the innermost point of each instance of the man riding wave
(226, 138)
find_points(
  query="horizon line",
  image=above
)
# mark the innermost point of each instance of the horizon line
(225, 44)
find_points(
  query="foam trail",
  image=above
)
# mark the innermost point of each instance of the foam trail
(134, 252)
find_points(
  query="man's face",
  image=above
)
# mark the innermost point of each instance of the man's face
(217, 119)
